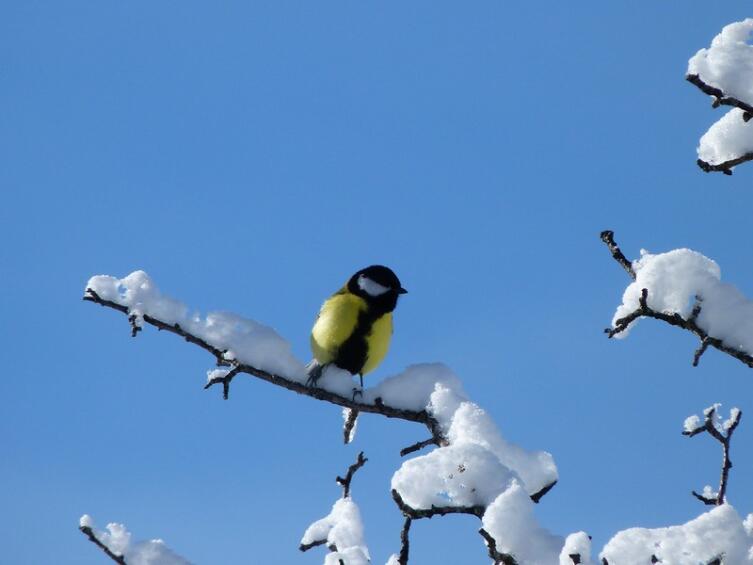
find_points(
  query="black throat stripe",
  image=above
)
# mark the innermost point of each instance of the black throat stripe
(353, 353)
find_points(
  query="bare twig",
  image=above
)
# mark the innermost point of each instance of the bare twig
(607, 236)
(719, 97)
(225, 379)
(710, 428)
(417, 446)
(378, 407)
(316, 543)
(537, 496)
(350, 423)
(345, 482)
(675, 319)
(497, 556)
(89, 533)
(726, 166)
(405, 541)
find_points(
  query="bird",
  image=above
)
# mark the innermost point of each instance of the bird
(354, 325)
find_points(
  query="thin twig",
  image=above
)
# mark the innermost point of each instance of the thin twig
(726, 166)
(405, 541)
(496, 555)
(723, 438)
(720, 98)
(345, 482)
(417, 446)
(306, 546)
(537, 496)
(89, 533)
(350, 423)
(607, 236)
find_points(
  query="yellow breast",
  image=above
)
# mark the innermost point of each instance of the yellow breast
(378, 341)
(337, 320)
(340, 320)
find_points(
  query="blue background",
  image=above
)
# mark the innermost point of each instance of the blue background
(250, 157)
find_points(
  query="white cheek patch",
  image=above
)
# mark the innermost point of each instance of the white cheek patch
(370, 287)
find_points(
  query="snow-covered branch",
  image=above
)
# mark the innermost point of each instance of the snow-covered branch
(116, 543)
(472, 469)
(86, 526)
(724, 71)
(244, 346)
(684, 289)
(721, 432)
(342, 529)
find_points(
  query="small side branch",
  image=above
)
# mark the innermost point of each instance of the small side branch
(349, 425)
(89, 533)
(494, 554)
(417, 514)
(405, 541)
(720, 98)
(316, 543)
(225, 379)
(537, 496)
(723, 438)
(417, 446)
(345, 482)
(726, 166)
(607, 236)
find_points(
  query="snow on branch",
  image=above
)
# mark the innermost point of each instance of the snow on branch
(240, 345)
(470, 469)
(716, 537)
(116, 544)
(342, 529)
(724, 71)
(684, 289)
(721, 432)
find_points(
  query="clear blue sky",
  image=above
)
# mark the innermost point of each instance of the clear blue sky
(252, 155)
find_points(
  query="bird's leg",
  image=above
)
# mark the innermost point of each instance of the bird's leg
(315, 371)
(358, 391)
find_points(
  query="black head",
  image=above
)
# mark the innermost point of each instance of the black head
(378, 285)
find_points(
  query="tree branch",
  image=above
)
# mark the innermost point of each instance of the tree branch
(675, 319)
(491, 544)
(378, 407)
(607, 236)
(345, 483)
(405, 541)
(726, 166)
(349, 425)
(719, 97)
(89, 533)
(417, 513)
(710, 428)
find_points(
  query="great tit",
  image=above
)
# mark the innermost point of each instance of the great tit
(354, 326)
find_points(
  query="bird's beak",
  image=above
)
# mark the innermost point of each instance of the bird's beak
(401, 290)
